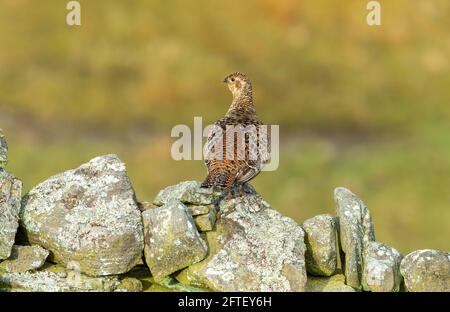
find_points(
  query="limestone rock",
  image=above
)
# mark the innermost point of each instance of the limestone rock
(172, 241)
(188, 192)
(25, 258)
(197, 210)
(206, 222)
(335, 283)
(355, 232)
(89, 216)
(3, 150)
(381, 268)
(321, 247)
(10, 194)
(426, 270)
(253, 248)
(56, 278)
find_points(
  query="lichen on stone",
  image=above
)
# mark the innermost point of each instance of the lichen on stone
(205, 222)
(24, 258)
(253, 248)
(381, 268)
(321, 245)
(3, 150)
(197, 210)
(88, 215)
(355, 233)
(188, 192)
(55, 278)
(10, 195)
(172, 242)
(426, 270)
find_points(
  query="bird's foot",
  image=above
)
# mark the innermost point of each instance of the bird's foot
(242, 191)
(239, 191)
(235, 192)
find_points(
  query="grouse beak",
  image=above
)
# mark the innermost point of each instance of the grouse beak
(225, 80)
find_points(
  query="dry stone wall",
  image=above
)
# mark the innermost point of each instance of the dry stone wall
(84, 230)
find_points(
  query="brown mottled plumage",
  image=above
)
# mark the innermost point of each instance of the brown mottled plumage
(242, 167)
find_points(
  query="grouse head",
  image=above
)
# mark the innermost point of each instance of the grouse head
(239, 84)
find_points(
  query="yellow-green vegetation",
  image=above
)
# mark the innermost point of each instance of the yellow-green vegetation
(167, 284)
(358, 106)
(335, 283)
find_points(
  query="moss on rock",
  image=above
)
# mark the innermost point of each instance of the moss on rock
(335, 283)
(205, 222)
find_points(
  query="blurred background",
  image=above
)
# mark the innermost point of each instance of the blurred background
(363, 107)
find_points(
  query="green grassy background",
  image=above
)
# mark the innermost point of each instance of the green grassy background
(363, 107)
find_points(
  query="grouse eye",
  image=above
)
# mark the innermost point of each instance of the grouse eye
(232, 79)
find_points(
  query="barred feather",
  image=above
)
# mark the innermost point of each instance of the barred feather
(243, 165)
